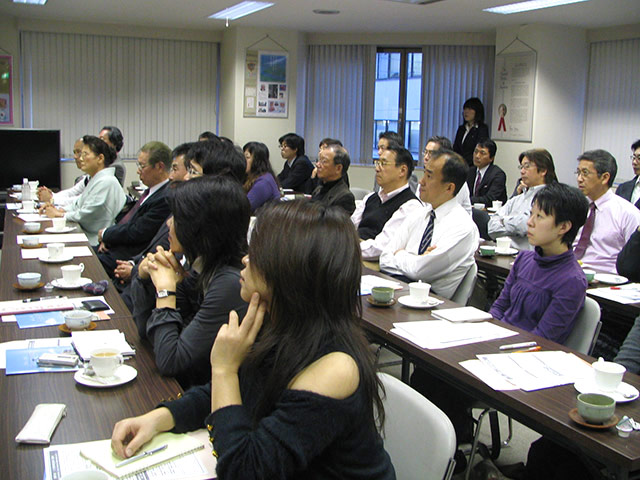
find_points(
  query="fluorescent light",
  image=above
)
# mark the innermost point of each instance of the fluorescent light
(240, 10)
(31, 2)
(530, 5)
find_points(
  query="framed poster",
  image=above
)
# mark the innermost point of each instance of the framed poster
(6, 98)
(266, 91)
(513, 95)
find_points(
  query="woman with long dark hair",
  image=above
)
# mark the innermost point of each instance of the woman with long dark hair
(261, 184)
(293, 391)
(472, 130)
(180, 311)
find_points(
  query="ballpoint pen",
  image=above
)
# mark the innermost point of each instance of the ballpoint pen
(532, 349)
(142, 455)
(29, 300)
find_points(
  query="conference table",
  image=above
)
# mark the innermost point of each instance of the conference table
(91, 412)
(545, 411)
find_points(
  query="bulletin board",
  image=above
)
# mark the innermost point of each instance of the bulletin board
(6, 96)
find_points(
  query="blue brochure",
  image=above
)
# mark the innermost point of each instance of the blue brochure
(40, 319)
(26, 360)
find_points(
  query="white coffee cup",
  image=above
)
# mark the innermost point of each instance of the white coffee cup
(28, 279)
(71, 273)
(419, 291)
(30, 241)
(478, 206)
(34, 184)
(59, 223)
(32, 227)
(105, 361)
(503, 244)
(77, 319)
(496, 204)
(607, 375)
(28, 205)
(55, 250)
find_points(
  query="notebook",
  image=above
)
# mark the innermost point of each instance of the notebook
(86, 342)
(462, 314)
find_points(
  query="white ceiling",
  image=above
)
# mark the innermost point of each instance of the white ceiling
(357, 16)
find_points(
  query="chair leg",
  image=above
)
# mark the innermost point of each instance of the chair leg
(474, 445)
(495, 434)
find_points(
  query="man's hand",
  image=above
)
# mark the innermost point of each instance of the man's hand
(123, 271)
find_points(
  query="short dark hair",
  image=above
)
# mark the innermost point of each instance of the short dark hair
(489, 145)
(454, 169)
(182, 149)
(475, 104)
(341, 157)
(100, 147)
(603, 162)
(158, 153)
(543, 161)
(207, 136)
(294, 142)
(565, 203)
(219, 158)
(259, 165)
(403, 157)
(392, 137)
(444, 142)
(635, 145)
(115, 137)
(330, 141)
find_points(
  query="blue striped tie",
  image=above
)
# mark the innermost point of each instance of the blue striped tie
(428, 234)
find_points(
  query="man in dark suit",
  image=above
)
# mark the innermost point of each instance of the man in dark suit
(333, 163)
(134, 231)
(486, 181)
(631, 190)
(297, 166)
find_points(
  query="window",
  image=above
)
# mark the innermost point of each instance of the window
(398, 98)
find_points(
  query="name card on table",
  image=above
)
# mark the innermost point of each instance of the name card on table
(55, 238)
(36, 253)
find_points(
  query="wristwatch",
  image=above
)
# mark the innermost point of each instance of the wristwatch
(164, 293)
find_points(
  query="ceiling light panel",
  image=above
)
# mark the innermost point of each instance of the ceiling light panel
(529, 5)
(240, 10)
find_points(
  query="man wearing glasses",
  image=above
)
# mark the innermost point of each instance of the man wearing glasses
(134, 231)
(297, 166)
(631, 190)
(612, 219)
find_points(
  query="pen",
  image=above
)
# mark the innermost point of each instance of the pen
(532, 349)
(142, 455)
(29, 300)
(518, 345)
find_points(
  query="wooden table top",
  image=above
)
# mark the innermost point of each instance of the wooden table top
(545, 411)
(91, 412)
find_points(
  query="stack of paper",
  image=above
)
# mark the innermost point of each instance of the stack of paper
(436, 334)
(462, 314)
(370, 281)
(86, 342)
(629, 293)
(12, 307)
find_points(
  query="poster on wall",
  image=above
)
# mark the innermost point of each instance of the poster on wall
(513, 95)
(266, 92)
(6, 100)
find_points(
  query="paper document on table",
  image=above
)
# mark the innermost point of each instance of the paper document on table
(33, 217)
(61, 460)
(436, 334)
(370, 281)
(87, 341)
(32, 343)
(13, 206)
(29, 254)
(462, 314)
(11, 307)
(56, 238)
(531, 370)
(629, 293)
(488, 375)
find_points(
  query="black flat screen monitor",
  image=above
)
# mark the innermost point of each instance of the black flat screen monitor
(31, 153)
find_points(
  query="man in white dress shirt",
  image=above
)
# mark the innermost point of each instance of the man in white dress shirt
(381, 213)
(436, 243)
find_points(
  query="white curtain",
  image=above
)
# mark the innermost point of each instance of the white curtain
(613, 101)
(450, 75)
(338, 100)
(152, 89)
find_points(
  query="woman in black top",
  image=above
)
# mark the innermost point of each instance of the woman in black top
(294, 393)
(472, 130)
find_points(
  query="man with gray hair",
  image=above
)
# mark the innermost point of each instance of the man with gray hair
(333, 163)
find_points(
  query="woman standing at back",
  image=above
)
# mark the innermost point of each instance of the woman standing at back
(472, 130)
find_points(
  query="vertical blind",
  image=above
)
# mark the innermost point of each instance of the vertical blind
(613, 101)
(152, 89)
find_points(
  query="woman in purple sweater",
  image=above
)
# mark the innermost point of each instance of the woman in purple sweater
(261, 185)
(546, 287)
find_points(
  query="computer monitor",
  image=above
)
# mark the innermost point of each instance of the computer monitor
(32, 153)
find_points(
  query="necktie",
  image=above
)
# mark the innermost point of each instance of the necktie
(86, 180)
(585, 237)
(428, 234)
(133, 210)
(477, 186)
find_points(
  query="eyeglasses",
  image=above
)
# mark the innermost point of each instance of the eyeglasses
(526, 166)
(284, 146)
(142, 166)
(194, 173)
(428, 153)
(479, 151)
(381, 163)
(635, 158)
(584, 173)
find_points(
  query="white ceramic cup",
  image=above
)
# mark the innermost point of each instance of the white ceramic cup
(28, 205)
(419, 291)
(71, 273)
(29, 279)
(607, 375)
(77, 319)
(59, 223)
(478, 206)
(105, 361)
(503, 244)
(496, 204)
(32, 227)
(55, 250)
(31, 241)
(86, 475)
(34, 184)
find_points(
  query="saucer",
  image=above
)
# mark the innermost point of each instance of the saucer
(17, 286)
(610, 279)
(492, 210)
(508, 251)
(587, 385)
(65, 329)
(576, 417)
(32, 233)
(24, 210)
(45, 258)
(37, 245)
(61, 230)
(60, 283)
(430, 303)
(380, 304)
(123, 374)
